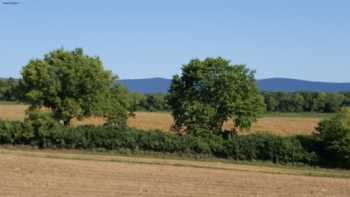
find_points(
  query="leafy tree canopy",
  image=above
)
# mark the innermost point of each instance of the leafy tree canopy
(73, 85)
(212, 91)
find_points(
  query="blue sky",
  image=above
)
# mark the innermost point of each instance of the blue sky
(139, 39)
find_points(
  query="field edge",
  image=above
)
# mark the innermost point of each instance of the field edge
(214, 164)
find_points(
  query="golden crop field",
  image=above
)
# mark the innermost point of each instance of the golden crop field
(45, 173)
(12, 111)
(276, 125)
(163, 121)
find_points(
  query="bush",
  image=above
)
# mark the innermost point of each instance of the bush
(334, 138)
(267, 147)
(263, 147)
(14, 133)
(41, 124)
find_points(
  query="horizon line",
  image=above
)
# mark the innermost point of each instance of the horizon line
(268, 78)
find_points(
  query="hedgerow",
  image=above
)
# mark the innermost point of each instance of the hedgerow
(262, 147)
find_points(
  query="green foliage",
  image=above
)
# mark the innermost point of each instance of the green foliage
(41, 124)
(14, 133)
(334, 136)
(9, 90)
(41, 131)
(305, 101)
(334, 102)
(114, 105)
(135, 100)
(212, 91)
(73, 85)
(295, 102)
(154, 102)
(271, 102)
(149, 102)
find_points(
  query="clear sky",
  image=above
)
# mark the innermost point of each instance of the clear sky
(304, 39)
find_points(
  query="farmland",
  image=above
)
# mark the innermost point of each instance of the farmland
(285, 124)
(276, 125)
(175, 98)
(28, 172)
(51, 173)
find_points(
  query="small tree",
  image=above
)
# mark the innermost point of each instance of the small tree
(73, 85)
(334, 135)
(211, 92)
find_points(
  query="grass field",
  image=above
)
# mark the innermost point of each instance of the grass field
(51, 173)
(277, 123)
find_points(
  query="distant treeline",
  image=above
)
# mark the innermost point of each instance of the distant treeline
(305, 101)
(149, 102)
(9, 90)
(274, 101)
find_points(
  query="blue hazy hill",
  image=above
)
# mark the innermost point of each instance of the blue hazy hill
(146, 86)
(161, 85)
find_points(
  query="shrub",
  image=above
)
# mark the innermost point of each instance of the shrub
(39, 131)
(334, 137)
(14, 133)
(41, 124)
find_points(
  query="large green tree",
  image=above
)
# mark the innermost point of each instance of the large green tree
(74, 85)
(212, 91)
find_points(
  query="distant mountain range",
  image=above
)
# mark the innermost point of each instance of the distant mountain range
(146, 86)
(161, 85)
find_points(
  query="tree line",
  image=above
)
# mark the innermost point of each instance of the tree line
(305, 101)
(9, 90)
(320, 102)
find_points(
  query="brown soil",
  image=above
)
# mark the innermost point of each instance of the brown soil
(55, 174)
